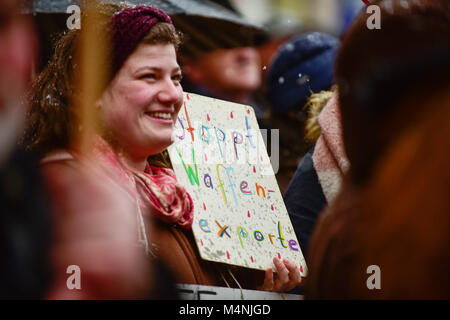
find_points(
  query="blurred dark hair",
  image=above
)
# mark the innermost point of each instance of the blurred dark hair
(398, 219)
(393, 209)
(409, 55)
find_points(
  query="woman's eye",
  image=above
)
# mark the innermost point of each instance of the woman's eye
(149, 76)
(177, 77)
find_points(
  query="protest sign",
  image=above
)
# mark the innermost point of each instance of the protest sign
(220, 157)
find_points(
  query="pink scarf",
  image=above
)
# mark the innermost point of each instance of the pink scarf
(157, 189)
(329, 158)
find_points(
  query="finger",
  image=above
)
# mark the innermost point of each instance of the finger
(282, 278)
(295, 278)
(268, 281)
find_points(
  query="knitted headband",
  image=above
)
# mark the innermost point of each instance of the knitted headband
(129, 26)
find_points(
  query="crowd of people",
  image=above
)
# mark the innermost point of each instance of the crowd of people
(86, 179)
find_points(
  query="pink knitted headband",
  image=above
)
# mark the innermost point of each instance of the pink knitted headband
(129, 26)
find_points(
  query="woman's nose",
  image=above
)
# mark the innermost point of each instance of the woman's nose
(170, 92)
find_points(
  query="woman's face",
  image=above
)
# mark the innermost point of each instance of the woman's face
(140, 106)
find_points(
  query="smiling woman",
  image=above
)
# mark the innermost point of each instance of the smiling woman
(98, 190)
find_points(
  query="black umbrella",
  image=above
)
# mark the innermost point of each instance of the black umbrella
(206, 24)
(203, 8)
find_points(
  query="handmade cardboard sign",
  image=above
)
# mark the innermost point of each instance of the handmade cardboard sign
(219, 155)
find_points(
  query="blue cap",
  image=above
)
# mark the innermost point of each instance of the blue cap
(302, 65)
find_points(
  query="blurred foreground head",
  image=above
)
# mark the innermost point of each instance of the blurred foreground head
(24, 214)
(392, 212)
(386, 76)
(18, 48)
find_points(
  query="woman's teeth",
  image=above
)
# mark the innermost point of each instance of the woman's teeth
(161, 115)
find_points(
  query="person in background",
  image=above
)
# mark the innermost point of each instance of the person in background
(231, 70)
(227, 74)
(302, 66)
(134, 117)
(25, 224)
(318, 178)
(385, 236)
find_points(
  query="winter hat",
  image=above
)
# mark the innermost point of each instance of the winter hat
(129, 26)
(302, 66)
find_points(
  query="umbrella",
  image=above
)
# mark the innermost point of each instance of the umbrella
(205, 24)
(203, 8)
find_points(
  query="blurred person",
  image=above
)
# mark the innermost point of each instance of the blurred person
(24, 211)
(134, 117)
(392, 211)
(224, 71)
(318, 178)
(228, 74)
(299, 83)
(302, 66)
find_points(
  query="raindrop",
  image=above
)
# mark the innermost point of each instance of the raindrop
(312, 37)
(303, 79)
(290, 47)
(280, 80)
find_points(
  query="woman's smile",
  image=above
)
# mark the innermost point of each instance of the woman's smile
(163, 117)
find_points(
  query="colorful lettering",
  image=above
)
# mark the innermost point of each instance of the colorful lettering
(280, 235)
(244, 186)
(258, 235)
(242, 233)
(208, 181)
(220, 185)
(292, 243)
(232, 185)
(260, 188)
(193, 177)
(270, 237)
(223, 230)
(237, 139)
(190, 128)
(220, 140)
(182, 126)
(204, 225)
(201, 134)
(249, 135)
